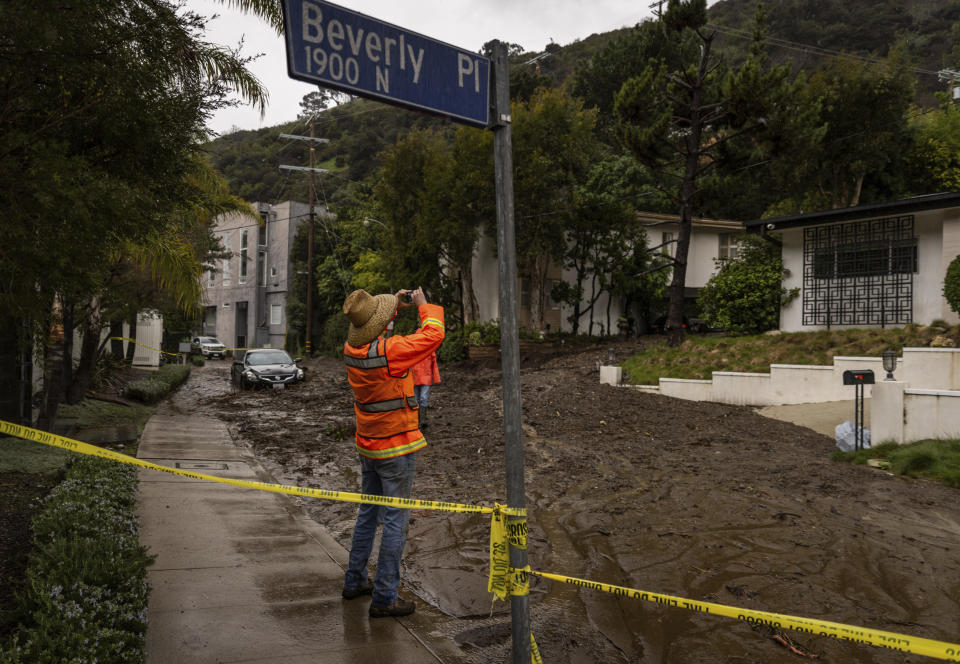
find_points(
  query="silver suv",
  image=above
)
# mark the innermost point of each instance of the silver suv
(209, 347)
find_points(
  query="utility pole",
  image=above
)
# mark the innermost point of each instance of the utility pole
(509, 338)
(953, 87)
(308, 332)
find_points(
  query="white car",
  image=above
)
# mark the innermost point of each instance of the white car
(209, 347)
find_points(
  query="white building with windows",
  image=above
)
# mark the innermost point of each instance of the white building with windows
(246, 295)
(710, 239)
(879, 265)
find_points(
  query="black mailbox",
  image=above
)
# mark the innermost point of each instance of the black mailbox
(864, 377)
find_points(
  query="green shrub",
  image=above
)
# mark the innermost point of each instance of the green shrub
(85, 593)
(454, 347)
(747, 293)
(951, 285)
(159, 384)
(197, 360)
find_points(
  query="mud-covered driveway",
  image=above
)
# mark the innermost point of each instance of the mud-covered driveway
(699, 500)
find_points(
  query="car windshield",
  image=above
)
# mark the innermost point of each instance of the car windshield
(268, 357)
(209, 340)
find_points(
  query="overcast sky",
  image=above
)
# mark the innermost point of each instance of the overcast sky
(467, 24)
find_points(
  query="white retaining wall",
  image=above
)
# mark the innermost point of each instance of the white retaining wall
(922, 402)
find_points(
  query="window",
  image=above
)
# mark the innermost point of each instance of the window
(262, 259)
(226, 261)
(243, 257)
(262, 232)
(273, 272)
(729, 247)
(276, 314)
(869, 259)
(669, 246)
(211, 278)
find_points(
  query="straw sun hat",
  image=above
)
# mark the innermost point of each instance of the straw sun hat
(368, 315)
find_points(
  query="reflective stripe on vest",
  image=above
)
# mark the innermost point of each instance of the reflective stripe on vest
(372, 361)
(385, 406)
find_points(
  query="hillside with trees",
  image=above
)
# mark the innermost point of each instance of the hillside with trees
(805, 33)
(740, 112)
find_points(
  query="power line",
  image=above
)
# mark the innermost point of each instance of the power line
(809, 48)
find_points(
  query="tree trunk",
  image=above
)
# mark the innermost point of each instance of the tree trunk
(593, 298)
(69, 327)
(577, 311)
(538, 283)
(52, 368)
(687, 191)
(471, 308)
(609, 300)
(131, 345)
(116, 345)
(89, 352)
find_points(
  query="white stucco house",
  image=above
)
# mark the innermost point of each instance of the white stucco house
(868, 266)
(710, 239)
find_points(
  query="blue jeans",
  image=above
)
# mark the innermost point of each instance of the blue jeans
(382, 477)
(422, 392)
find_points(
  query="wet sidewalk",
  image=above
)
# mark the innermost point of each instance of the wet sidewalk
(243, 575)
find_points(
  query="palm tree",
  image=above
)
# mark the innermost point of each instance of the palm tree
(165, 266)
(269, 10)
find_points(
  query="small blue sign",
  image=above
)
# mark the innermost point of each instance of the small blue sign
(342, 49)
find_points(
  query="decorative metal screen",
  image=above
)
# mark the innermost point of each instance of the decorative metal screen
(859, 273)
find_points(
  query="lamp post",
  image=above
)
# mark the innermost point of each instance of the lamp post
(889, 363)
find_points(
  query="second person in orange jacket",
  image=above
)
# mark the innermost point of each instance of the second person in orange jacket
(425, 374)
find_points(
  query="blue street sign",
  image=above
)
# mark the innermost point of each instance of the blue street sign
(342, 49)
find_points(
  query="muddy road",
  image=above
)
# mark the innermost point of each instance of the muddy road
(699, 500)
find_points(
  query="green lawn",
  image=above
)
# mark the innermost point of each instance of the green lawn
(933, 459)
(23, 456)
(699, 355)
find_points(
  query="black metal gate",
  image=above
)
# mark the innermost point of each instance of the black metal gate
(859, 273)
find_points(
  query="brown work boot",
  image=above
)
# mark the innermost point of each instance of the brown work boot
(401, 607)
(359, 591)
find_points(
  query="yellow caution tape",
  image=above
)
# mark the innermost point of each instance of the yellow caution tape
(520, 581)
(517, 532)
(875, 637)
(534, 651)
(134, 341)
(503, 579)
(498, 581)
(54, 440)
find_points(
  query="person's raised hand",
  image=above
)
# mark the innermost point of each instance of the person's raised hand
(402, 302)
(417, 297)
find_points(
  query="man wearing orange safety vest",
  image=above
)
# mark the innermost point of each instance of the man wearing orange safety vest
(388, 435)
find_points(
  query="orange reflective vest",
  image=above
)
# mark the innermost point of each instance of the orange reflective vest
(384, 404)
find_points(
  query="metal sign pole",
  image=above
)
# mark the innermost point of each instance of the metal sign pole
(509, 335)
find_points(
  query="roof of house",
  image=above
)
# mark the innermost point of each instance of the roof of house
(903, 206)
(656, 219)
